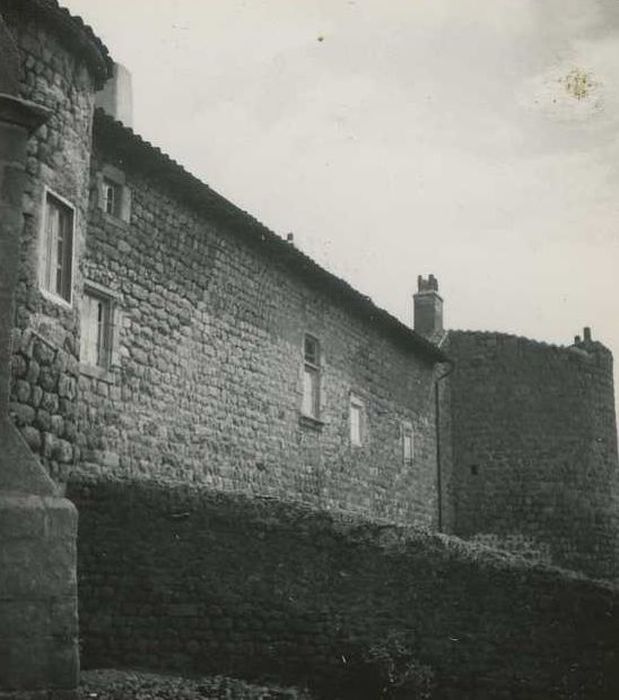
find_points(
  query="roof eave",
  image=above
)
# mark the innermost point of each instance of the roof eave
(126, 142)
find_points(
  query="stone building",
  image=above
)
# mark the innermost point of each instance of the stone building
(220, 354)
(160, 335)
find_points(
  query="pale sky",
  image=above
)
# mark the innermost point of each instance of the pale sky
(474, 139)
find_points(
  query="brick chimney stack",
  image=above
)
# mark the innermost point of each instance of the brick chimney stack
(428, 307)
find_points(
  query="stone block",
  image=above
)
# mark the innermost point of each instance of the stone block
(32, 437)
(21, 390)
(40, 563)
(43, 420)
(43, 353)
(63, 670)
(24, 619)
(22, 516)
(21, 413)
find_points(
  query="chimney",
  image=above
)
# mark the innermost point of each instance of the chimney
(428, 307)
(116, 98)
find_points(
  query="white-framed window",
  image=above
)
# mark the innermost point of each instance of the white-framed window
(99, 313)
(114, 197)
(95, 341)
(311, 377)
(408, 444)
(57, 247)
(357, 420)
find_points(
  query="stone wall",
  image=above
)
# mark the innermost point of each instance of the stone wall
(44, 142)
(207, 381)
(39, 657)
(46, 333)
(189, 580)
(534, 447)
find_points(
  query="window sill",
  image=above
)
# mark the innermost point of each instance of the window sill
(101, 373)
(56, 299)
(114, 219)
(310, 422)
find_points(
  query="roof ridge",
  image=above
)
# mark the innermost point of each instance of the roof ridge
(197, 190)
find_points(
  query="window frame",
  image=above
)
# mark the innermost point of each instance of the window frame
(312, 366)
(111, 299)
(117, 191)
(406, 431)
(356, 403)
(109, 174)
(50, 194)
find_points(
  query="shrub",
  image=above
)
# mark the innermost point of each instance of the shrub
(387, 669)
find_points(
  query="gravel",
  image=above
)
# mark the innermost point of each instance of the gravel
(111, 684)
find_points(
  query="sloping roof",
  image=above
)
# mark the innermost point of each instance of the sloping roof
(71, 28)
(120, 141)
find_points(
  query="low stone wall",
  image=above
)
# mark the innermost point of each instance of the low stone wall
(179, 579)
(38, 603)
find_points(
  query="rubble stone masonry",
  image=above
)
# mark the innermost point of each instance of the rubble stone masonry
(535, 447)
(45, 367)
(206, 383)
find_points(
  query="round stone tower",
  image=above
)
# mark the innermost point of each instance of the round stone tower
(534, 448)
(61, 65)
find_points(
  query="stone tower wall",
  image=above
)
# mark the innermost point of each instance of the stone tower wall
(534, 447)
(57, 73)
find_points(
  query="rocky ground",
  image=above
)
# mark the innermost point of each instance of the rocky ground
(138, 685)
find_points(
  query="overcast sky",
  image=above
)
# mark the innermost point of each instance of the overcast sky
(475, 139)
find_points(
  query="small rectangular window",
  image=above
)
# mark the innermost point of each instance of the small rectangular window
(311, 377)
(408, 443)
(57, 248)
(112, 197)
(311, 351)
(356, 421)
(96, 330)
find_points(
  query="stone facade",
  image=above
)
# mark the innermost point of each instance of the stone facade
(204, 381)
(208, 385)
(196, 381)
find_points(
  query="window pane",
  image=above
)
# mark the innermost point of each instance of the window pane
(355, 424)
(111, 197)
(408, 447)
(60, 254)
(100, 311)
(95, 324)
(50, 249)
(88, 331)
(310, 392)
(57, 248)
(311, 350)
(67, 253)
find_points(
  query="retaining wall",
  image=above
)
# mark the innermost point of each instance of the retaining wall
(187, 580)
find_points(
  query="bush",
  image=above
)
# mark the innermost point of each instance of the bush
(387, 669)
